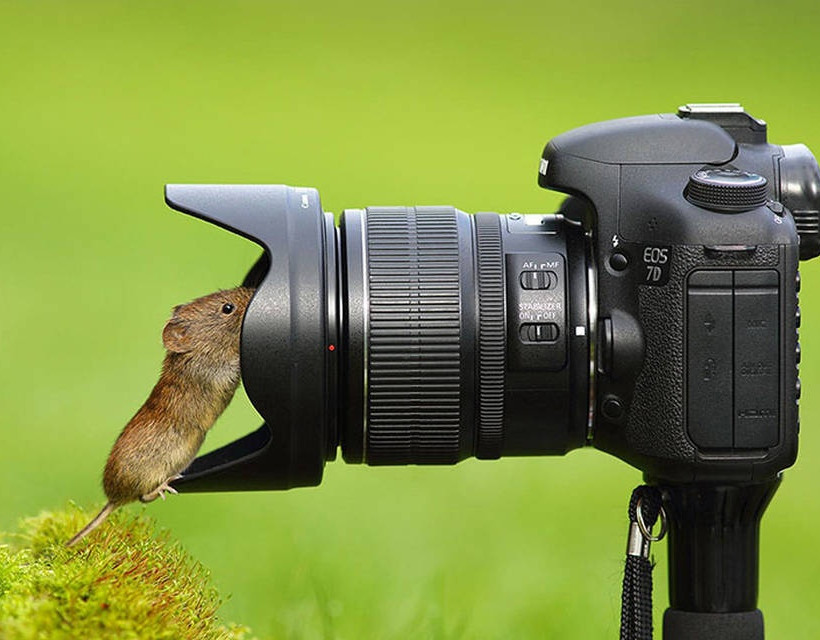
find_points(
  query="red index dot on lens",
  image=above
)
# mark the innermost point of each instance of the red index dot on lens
(331, 347)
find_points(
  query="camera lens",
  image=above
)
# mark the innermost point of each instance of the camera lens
(462, 335)
(407, 335)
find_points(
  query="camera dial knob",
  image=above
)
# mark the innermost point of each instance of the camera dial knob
(727, 190)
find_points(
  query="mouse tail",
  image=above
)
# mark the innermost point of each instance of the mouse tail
(96, 522)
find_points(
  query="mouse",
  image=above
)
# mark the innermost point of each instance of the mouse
(200, 374)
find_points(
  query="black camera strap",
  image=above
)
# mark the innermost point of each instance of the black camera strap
(645, 506)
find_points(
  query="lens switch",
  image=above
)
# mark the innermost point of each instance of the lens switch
(538, 279)
(539, 332)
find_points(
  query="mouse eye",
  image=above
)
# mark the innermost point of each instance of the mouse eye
(227, 308)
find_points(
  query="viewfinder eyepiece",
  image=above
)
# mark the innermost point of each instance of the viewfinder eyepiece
(800, 193)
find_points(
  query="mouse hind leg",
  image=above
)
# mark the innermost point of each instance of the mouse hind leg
(161, 490)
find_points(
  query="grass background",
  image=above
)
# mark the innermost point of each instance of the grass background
(424, 102)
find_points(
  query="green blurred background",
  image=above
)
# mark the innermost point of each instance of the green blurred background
(426, 102)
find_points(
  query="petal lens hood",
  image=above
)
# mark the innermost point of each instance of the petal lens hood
(289, 344)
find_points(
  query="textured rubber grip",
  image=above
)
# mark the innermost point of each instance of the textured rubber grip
(414, 359)
(686, 625)
(492, 335)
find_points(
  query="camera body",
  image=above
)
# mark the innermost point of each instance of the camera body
(654, 316)
(697, 280)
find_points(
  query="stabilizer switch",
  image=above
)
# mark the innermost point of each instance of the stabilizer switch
(539, 332)
(536, 311)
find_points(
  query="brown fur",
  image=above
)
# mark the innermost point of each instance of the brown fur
(199, 376)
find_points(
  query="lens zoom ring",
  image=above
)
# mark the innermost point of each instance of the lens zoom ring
(414, 355)
(492, 335)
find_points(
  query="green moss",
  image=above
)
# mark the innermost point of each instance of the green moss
(123, 581)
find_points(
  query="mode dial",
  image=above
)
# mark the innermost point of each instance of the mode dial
(727, 190)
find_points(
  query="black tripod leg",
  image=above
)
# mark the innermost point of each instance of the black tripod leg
(714, 535)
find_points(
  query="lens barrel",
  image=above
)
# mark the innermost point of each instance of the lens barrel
(413, 265)
(462, 335)
(407, 335)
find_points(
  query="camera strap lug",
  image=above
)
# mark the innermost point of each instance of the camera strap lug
(645, 507)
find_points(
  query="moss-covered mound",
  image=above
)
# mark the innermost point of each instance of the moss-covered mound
(124, 581)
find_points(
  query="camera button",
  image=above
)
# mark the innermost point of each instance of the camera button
(618, 261)
(776, 207)
(612, 408)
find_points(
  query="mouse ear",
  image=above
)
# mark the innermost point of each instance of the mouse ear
(175, 337)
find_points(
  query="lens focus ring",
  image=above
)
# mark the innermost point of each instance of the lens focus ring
(414, 359)
(492, 335)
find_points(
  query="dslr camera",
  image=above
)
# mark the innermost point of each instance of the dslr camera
(654, 317)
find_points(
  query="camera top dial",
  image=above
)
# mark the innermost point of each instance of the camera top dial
(727, 190)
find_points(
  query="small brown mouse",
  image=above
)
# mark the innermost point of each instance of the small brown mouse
(199, 376)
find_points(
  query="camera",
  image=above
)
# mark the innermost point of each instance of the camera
(654, 316)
